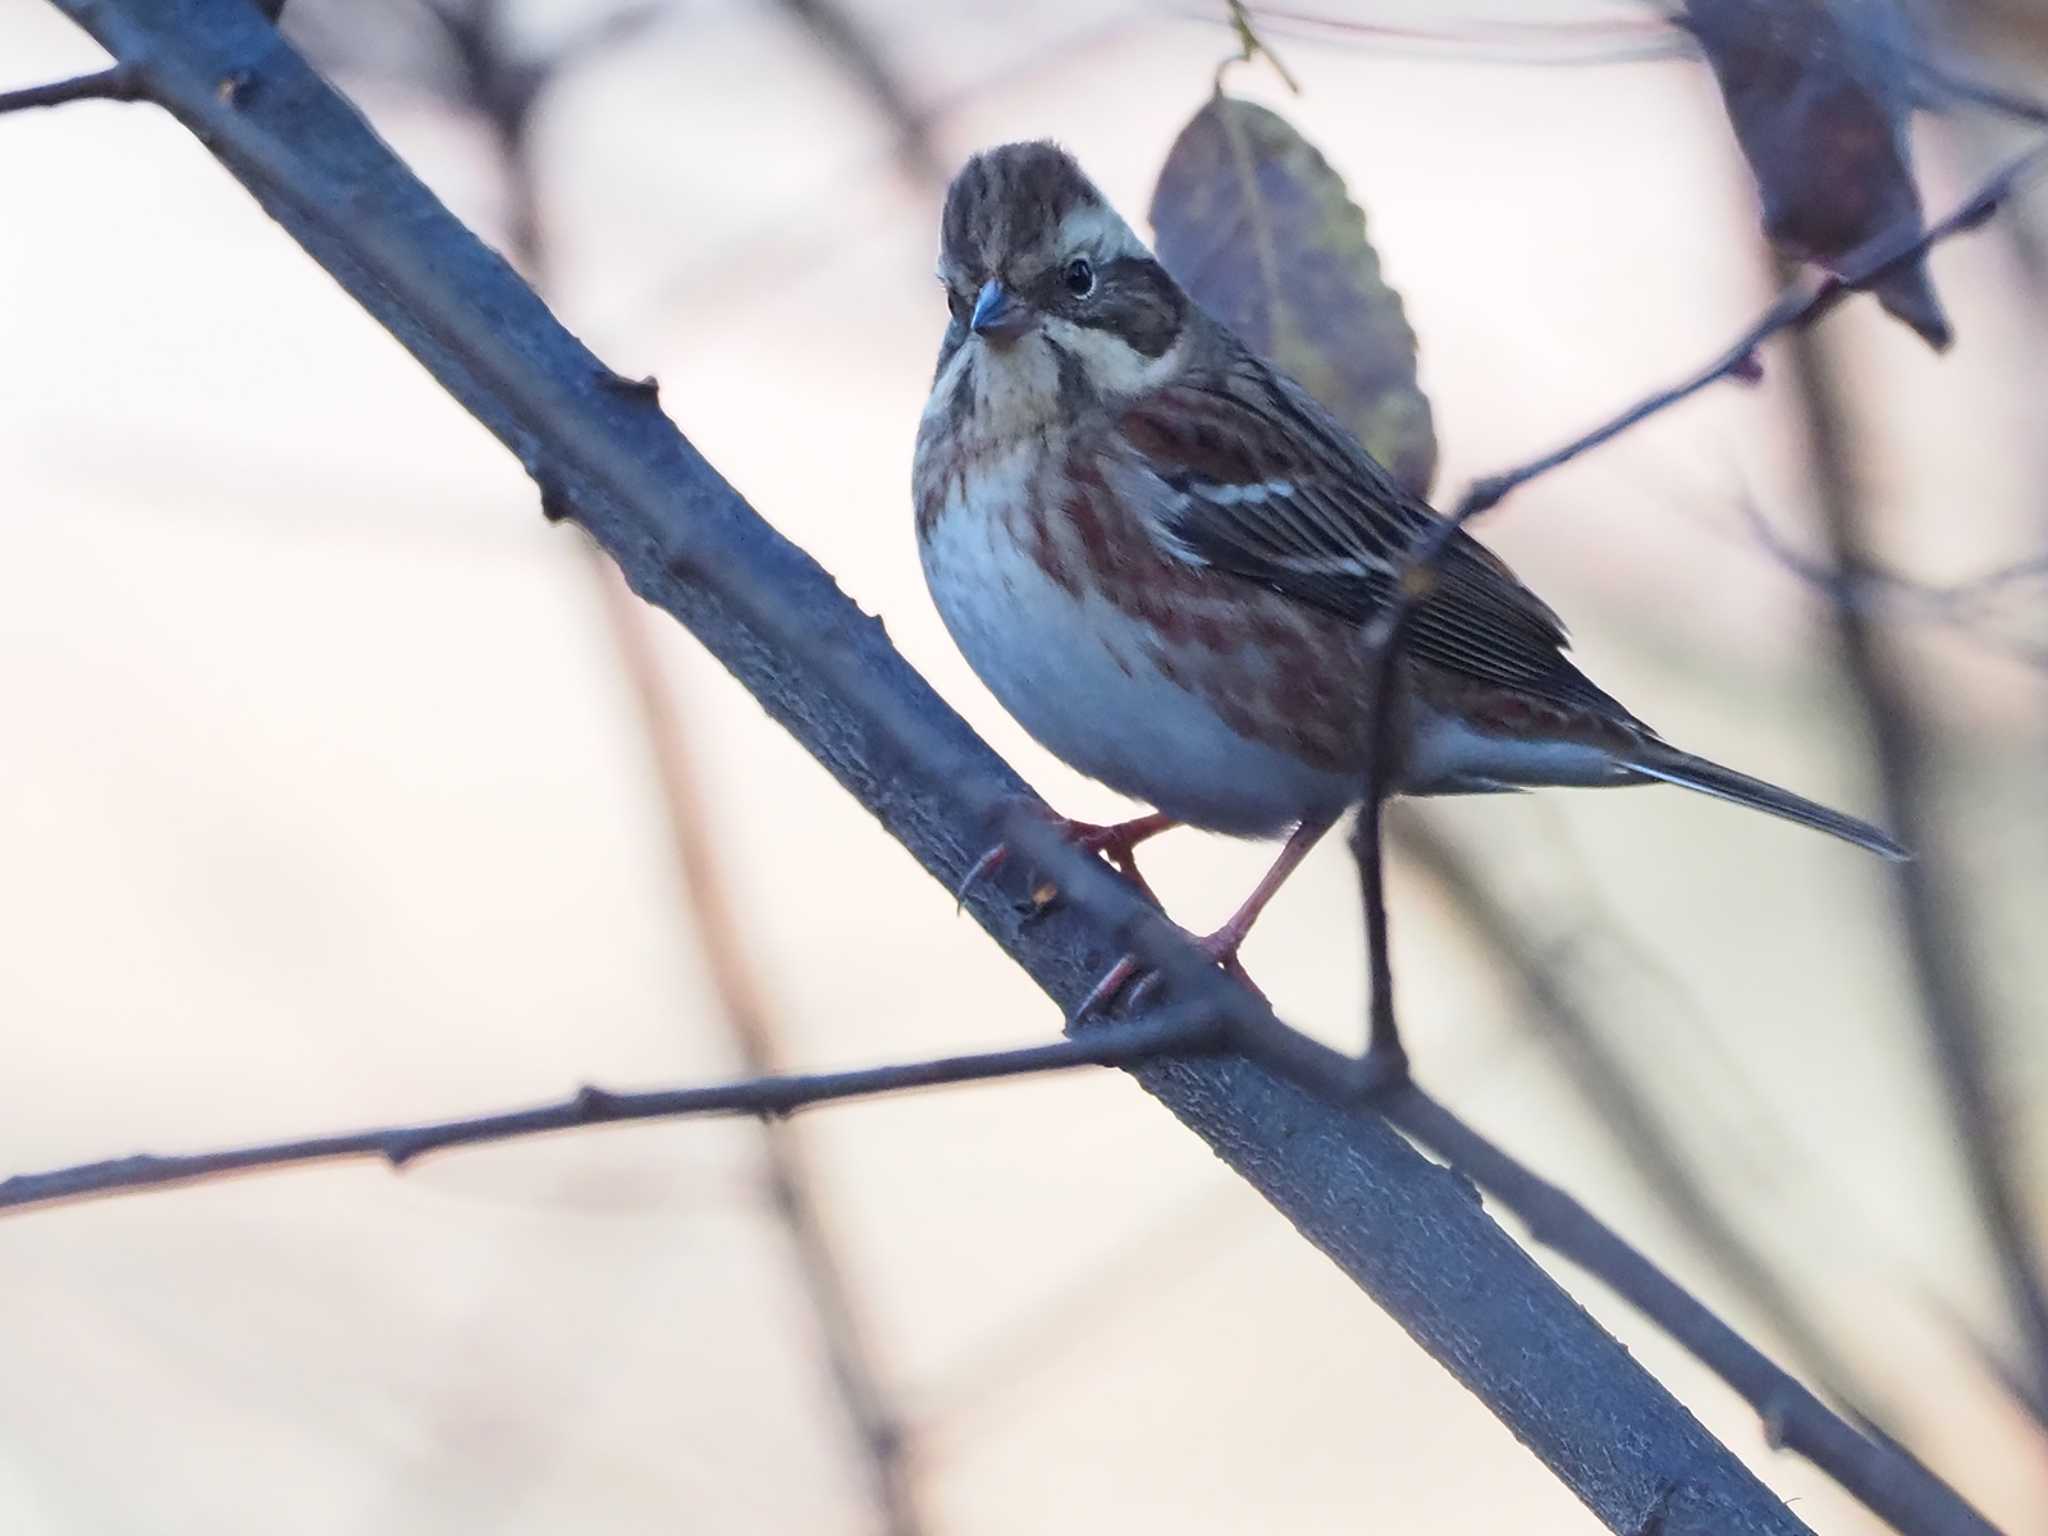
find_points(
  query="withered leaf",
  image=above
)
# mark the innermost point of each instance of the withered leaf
(1250, 219)
(1819, 97)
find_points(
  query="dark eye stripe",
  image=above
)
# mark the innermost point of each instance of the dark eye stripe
(1135, 299)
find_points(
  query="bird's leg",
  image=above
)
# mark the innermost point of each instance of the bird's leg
(1222, 945)
(1385, 1062)
(1114, 841)
(1117, 842)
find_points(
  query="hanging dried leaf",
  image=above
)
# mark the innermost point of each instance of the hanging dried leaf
(1818, 95)
(1254, 223)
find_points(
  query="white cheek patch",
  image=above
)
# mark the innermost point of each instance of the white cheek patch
(1112, 366)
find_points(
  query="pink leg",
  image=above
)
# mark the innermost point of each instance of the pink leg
(1117, 842)
(1222, 945)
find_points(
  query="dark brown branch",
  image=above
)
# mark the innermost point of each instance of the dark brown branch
(1178, 1030)
(1959, 1028)
(116, 84)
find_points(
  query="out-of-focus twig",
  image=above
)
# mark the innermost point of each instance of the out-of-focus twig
(1483, 38)
(1965, 605)
(1959, 1029)
(870, 1406)
(504, 91)
(847, 40)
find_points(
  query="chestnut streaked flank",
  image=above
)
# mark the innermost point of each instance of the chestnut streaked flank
(1160, 554)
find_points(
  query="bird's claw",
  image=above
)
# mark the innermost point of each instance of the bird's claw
(1115, 841)
(1221, 947)
(979, 871)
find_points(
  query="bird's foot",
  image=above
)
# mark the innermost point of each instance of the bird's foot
(1115, 841)
(1221, 947)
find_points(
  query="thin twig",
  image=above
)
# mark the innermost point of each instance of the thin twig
(1177, 1031)
(1803, 302)
(119, 83)
(1958, 1026)
(1961, 605)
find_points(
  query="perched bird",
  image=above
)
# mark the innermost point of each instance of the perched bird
(1161, 555)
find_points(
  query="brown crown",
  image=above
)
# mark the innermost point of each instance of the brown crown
(1009, 199)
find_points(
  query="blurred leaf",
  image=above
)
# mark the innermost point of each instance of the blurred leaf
(1251, 220)
(1819, 97)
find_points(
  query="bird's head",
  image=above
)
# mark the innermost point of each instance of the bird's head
(1045, 281)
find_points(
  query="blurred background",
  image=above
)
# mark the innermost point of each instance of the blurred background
(338, 787)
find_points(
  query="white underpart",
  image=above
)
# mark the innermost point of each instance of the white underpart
(1077, 674)
(1448, 757)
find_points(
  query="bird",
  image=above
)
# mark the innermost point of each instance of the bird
(1162, 556)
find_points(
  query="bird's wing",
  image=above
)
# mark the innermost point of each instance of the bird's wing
(1237, 468)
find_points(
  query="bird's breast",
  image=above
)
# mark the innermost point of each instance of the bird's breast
(1150, 680)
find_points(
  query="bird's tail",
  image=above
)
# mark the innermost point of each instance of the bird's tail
(1657, 760)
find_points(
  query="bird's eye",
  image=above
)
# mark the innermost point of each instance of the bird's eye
(1079, 277)
(956, 303)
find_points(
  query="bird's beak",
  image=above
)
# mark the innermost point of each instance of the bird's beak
(999, 314)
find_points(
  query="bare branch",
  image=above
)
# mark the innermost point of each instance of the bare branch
(1889, 1481)
(1169, 1031)
(117, 84)
(1804, 301)
(1638, 1132)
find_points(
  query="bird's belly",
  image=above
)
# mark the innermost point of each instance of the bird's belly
(1078, 674)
